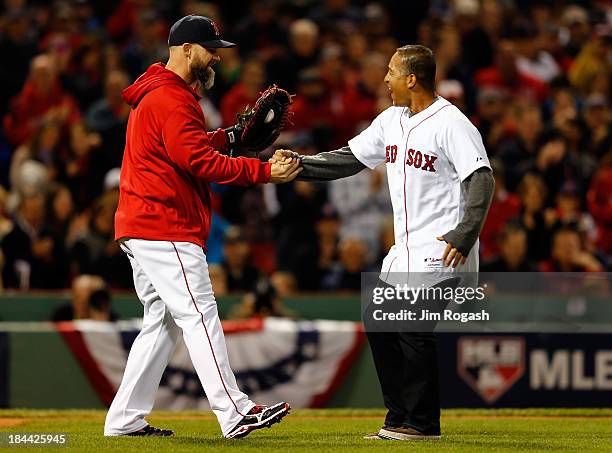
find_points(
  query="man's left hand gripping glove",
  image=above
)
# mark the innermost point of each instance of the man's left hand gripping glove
(259, 127)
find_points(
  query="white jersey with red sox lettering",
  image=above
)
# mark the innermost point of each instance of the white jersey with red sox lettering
(427, 155)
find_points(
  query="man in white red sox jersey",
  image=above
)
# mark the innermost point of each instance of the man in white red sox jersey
(441, 187)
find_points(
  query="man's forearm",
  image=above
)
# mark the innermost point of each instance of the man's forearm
(330, 165)
(479, 187)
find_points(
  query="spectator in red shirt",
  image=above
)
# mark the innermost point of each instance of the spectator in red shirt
(244, 93)
(360, 99)
(533, 61)
(599, 200)
(124, 20)
(452, 90)
(506, 75)
(313, 108)
(61, 45)
(42, 98)
(548, 41)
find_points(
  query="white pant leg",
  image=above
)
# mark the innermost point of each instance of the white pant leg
(179, 272)
(147, 359)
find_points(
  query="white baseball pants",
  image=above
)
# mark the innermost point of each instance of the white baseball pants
(172, 282)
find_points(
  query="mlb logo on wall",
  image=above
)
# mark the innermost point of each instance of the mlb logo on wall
(490, 365)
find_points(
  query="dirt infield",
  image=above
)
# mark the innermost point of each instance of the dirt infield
(12, 421)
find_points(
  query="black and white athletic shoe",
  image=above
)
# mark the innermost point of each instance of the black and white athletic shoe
(405, 433)
(259, 417)
(151, 431)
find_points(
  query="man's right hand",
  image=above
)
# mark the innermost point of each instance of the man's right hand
(284, 168)
(281, 154)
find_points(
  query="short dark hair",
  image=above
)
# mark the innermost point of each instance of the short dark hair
(419, 60)
(567, 229)
(512, 227)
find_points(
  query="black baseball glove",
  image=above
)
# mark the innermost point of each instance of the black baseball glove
(259, 127)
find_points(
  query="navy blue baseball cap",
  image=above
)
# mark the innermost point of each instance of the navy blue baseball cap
(197, 30)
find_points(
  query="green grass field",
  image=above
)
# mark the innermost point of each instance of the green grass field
(335, 430)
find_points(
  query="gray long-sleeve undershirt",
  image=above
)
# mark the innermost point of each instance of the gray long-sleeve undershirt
(331, 165)
(479, 187)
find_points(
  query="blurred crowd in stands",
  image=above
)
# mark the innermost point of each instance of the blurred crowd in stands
(533, 76)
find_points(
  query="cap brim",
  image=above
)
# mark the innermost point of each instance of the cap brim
(217, 44)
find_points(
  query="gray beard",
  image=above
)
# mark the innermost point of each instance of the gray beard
(205, 77)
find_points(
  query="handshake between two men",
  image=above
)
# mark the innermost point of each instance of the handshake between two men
(285, 166)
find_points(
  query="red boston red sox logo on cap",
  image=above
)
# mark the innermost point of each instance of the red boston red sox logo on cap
(214, 25)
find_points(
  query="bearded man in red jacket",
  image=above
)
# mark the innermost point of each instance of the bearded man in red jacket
(162, 223)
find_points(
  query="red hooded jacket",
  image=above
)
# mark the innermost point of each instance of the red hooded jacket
(169, 160)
